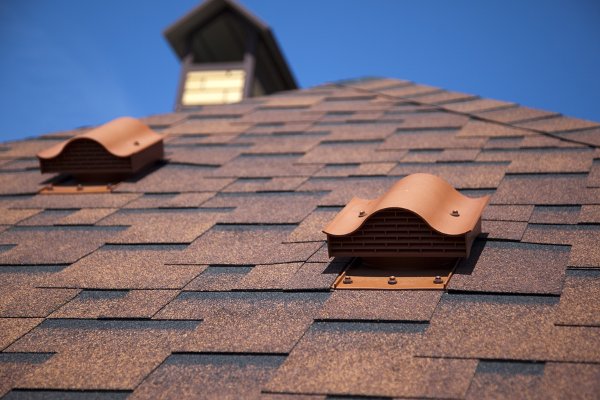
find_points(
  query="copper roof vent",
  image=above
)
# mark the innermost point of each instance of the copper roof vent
(421, 222)
(119, 148)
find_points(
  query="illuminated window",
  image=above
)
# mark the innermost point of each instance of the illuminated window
(213, 87)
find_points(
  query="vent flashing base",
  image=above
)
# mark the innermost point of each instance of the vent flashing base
(77, 188)
(397, 274)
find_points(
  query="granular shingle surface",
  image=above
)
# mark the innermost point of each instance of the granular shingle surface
(508, 267)
(208, 275)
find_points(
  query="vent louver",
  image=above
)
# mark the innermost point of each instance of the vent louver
(397, 233)
(419, 220)
(121, 147)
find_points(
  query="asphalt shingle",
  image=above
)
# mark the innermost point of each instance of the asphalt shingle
(459, 175)
(360, 357)
(245, 245)
(160, 226)
(14, 328)
(515, 114)
(13, 366)
(91, 304)
(209, 377)
(244, 322)
(176, 178)
(580, 299)
(555, 215)
(35, 245)
(380, 305)
(506, 380)
(208, 275)
(218, 278)
(93, 354)
(549, 189)
(559, 124)
(126, 267)
(506, 328)
(504, 267)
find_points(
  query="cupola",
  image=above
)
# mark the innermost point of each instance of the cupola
(227, 55)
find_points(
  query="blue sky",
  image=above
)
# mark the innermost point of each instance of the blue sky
(68, 63)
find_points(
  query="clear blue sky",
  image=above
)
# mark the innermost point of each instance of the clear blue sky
(68, 63)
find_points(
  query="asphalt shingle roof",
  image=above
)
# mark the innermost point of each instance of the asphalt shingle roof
(208, 276)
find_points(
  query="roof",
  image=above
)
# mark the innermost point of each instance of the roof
(209, 277)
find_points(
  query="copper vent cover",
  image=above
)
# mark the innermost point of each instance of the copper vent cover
(421, 217)
(123, 146)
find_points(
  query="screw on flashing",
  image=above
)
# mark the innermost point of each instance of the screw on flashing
(80, 187)
(50, 186)
(455, 213)
(362, 214)
(438, 280)
(392, 280)
(347, 280)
